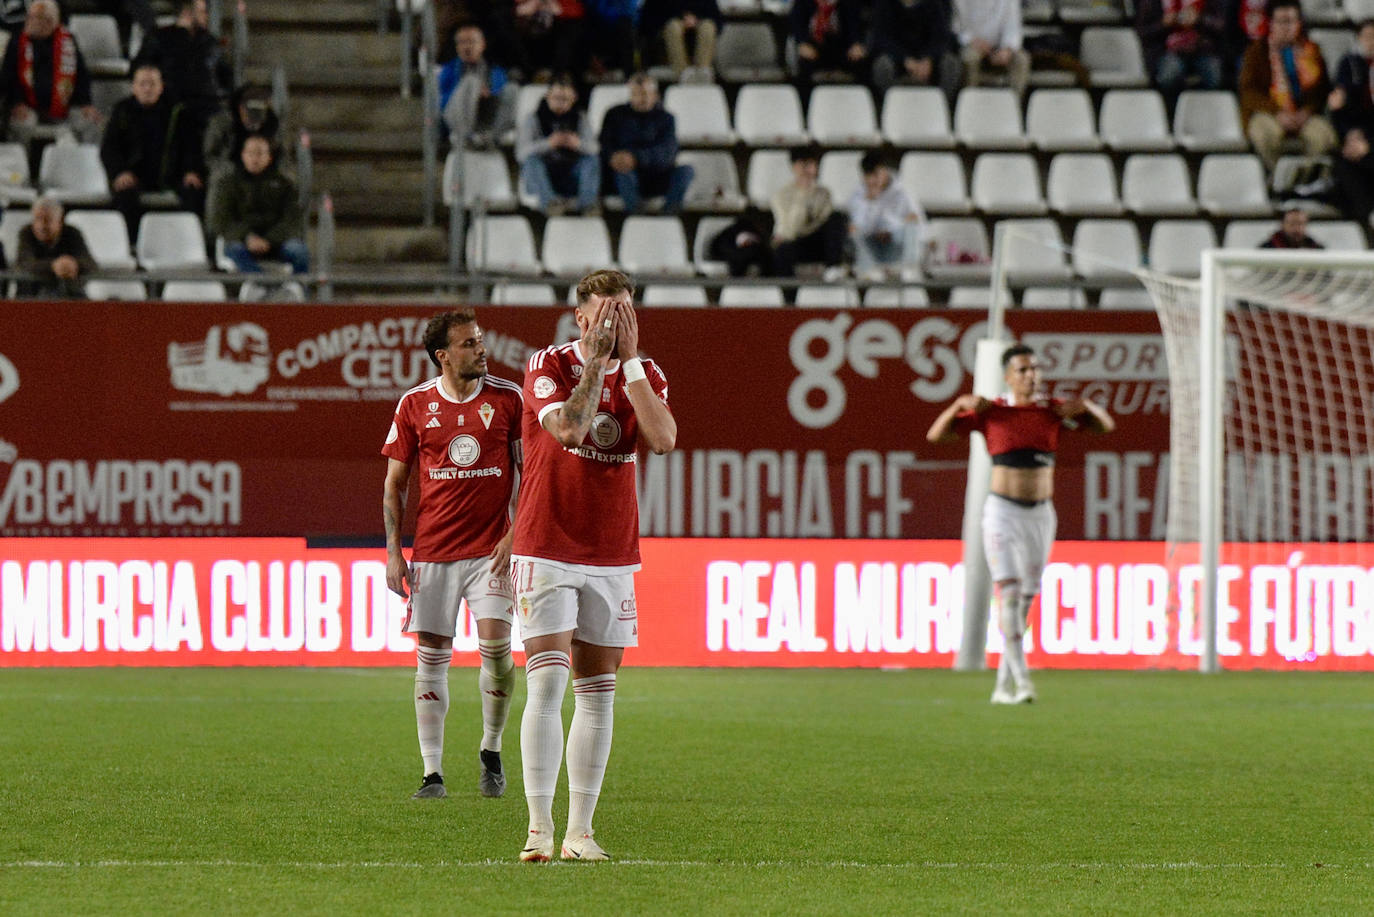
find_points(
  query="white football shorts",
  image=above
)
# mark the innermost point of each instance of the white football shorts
(598, 609)
(1017, 540)
(438, 589)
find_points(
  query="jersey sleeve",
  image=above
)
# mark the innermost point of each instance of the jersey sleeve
(657, 380)
(402, 440)
(968, 422)
(547, 383)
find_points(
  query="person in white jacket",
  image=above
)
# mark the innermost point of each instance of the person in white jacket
(887, 227)
(990, 37)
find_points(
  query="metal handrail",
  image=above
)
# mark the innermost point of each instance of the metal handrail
(240, 45)
(429, 137)
(305, 172)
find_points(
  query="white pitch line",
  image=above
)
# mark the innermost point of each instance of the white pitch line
(676, 864)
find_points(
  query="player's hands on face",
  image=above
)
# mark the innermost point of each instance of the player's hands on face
(627, 332)
(599, 337)
(398, 575)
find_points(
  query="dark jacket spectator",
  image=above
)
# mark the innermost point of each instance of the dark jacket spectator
(1182, 37)
(1292, 232)
(639, 147)
(829, 35)
(249, 112)
(912, 40)
(613, 34)
(1352, 100)
(255, 209)
(193, 66)
(150, 146)
(551, 33)
(44, 77)
(1353, 171)
(672, 21)
(53, 251)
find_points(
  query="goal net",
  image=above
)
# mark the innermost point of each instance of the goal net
(1271, 377)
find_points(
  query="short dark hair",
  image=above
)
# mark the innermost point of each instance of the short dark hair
(436, 331)
(604, 283)
(1281, 4)
(1016, 350)
(145, 63)
(874, 160)
(806, 152)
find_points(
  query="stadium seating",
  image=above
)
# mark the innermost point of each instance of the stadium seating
(1157, 184)
(906, 297)
(702, 114)
(194, 291)
(1061, 119)
(843, 116)
(1053, 298)
(1232, 184)
(1105, 248)
(171, 240)
(769, 115)
(707, 229)
(1338, 235)
(1335, 44)
(1329, 12)
(11, 222)
(576, 245)
(73, 174)
(97, 35)
(769, 170)
(828, 295)
(840, 174)
(1247, 233)
(746, 295)
(1175, 244)
(15, 184)
(917, 116)
(1208, 122)
(1125, 298)
(979, 297)
(653, 245)
(660, 295)
(1083, 184)
(1034, 251)
(715, 181)
(989, 118)
(1133, 120)
(107, 236)
(604, 97)
(747, 52)
(484, 177)
(961, 249)
(1091, 11)
(502, 243)
(1007, 183)
(936, 181)
(1113, 57)
(116, 290)
(523, 294)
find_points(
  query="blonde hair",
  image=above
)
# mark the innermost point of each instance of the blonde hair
(603, 283)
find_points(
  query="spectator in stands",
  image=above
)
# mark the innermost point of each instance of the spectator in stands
(912, 42)
(149, 147)
(256, 211)
(1353, 171)
(639, 148)
(743, 245)
(1352, 101)
(45, 78)
(476, 98)
(497, 21)
(1284, 87)
(1292, 232)
(990, 37)
(193, 65)
(249, 112)
(674, 21)
(551, 32)
(806, 225)
(557, 151)
(885, 225)
(1246, 21)
(613, 32)
(829, 35)
(1182, 38)
(55, 253)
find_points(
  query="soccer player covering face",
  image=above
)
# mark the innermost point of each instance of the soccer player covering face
(1022, 431)
(462, 429)
(589, 406)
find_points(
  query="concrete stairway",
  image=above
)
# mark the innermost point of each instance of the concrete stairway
(344, 86)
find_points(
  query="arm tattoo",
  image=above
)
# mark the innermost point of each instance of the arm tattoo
(581, 404)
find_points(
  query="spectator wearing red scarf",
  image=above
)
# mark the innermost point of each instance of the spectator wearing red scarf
(1284, 88)
(45, 79)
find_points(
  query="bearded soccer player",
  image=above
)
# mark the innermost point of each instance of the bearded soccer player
(589, 405)
(462, 428)
(1022, 431)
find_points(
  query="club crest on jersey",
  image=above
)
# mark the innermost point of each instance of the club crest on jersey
(605, 393)
(464, 450)
(605, 430)
(433, 422)
(543, 387)
(577, 370)
(462, 421)
(486, 412)
(433, 407)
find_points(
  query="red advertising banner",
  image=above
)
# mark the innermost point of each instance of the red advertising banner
(702, 602)
(226, 419)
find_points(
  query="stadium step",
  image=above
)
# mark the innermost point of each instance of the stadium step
(373, 244)
(266, 14)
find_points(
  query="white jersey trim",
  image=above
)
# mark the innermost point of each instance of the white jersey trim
(544, 411)
(585, 569)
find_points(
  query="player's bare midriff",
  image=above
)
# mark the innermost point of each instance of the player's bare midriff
(1022, 483)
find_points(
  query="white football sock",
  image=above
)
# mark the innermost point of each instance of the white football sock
(589, 745)
(431, 704)
(497, 683)
(1010, 619)
(541, 733)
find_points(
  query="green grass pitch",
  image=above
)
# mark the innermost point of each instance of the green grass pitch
(286, 791)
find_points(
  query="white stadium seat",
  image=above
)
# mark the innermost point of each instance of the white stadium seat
(1034, 251)
(107, 236)
(654, 245)
(989, 118)
(936, 181)
(97, 35)
(116, 290)
(523, 294)
(171, 240)
(1233, 184)
(917, 116)
(1157, 185)
(827, 295)
(1248, 233)
(905, 297)
(1007, 183)
(769, 170)
(15, 184)
(1062, 119)
(1176, 246)
(840, 174)
(194, 291)
(1113, 57)
(702, 114)
(1208, 121)
(1338, 235)
(661, 295)
(715, 181)
(979, 297)
(1053, 298)
(1133, 120)
(482, 176)
(576, 245)
(707, 229)
(1126, 298)
(956, 237)
(745, 295)
(1083, 184)
(1105, 248)
(604, 97)
(747, 52)
(502, 243)
(769, 115)
(843, 116)
(73, 173)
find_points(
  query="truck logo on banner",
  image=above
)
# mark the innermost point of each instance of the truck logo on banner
(232, 360)
(9, 378)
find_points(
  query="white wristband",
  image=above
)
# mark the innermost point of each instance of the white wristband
(633, 369)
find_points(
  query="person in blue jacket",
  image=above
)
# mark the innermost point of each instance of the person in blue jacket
(476, 98)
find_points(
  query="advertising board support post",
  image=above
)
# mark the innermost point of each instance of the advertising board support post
(987, 381)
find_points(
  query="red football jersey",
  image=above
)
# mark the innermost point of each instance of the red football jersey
(1009, 428)
(579, 506)
(466, 452)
